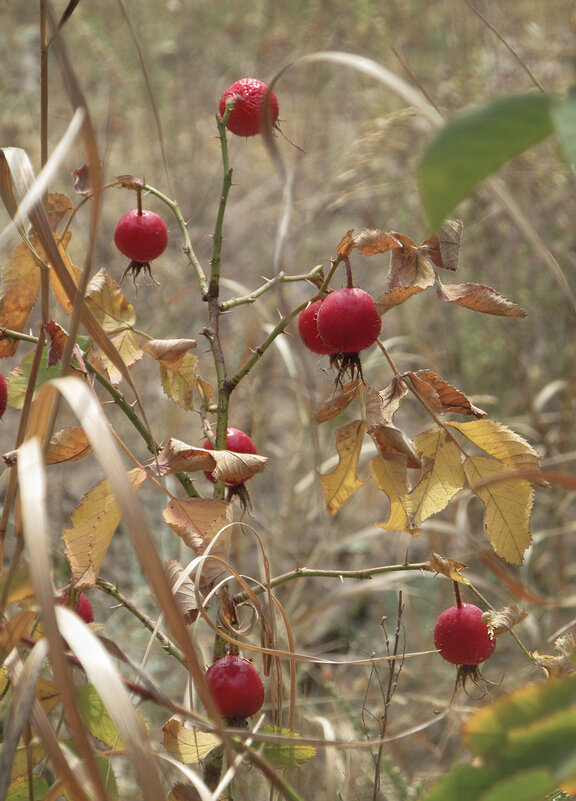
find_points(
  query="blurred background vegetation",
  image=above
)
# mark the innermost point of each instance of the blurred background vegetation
(352, 147)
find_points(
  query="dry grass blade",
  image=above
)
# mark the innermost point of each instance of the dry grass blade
(32, 481)
(19, 711)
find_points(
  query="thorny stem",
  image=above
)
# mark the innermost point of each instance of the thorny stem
(270, 284)
(165, 642)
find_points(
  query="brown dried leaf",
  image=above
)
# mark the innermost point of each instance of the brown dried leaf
(68, 445)
(382, 406)
(338, 401)
(18, 294)
(560, 665)
(169, 352)
(346, 244)
(479, 298)
(58, 339)
(370, 242)
(236, 468)
(177, 456)
(444, 248)
(185, 595)
(410, 266)
(396, 296)
(391, 441)
(197, 521)
(448, 567)
(504, 619)
(441, 396)
(82, 184)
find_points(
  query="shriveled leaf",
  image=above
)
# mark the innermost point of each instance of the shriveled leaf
(93, 524)
(189, 746)
(107, 303)
(442, 476)
(507, 506)
(501, 442)
(390, 476)
(13, 630)
(396, 296)
(19, 290)
(236, 468)
(504, 619)
(58, 338)
(346, 244)
(184, 595)
(342, 482)
(82, 185)
(561, 663)
(96, 716)
(177, 456)
(410, 265)
(169, 352)
(197, 521)
(338, 401)
(476, 143)
(74, 272)
(370, 242)
(443, 397)
(18, 378)
(444, 248)
(391, 441)
(448, 567)
(479, 298)
(68, 445)
(382, 406)
(286, 754)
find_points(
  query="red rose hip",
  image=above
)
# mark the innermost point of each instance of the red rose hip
(308, 329)
(236, 687)
(141, 235)
(247, 116)
(462, 637)
(3, 396)
(348, 320)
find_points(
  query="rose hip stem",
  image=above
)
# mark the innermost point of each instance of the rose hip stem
(457, 594)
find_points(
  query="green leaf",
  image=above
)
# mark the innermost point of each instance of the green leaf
(96, 716)
(19, 790)
(476, 143)
(564, 118)
(286, 754)
(18, 379)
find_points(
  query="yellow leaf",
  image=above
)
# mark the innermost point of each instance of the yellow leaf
(390, 475)
(501, 442)
(448, 567)
(18, 294)
(107, 303)
(11, 632)
(442, 476)
(179, 383)
(94, 522)
(189, 746)
(169, 352)
(342, 482)
(68, 445)
(507, 506)
(197, 521)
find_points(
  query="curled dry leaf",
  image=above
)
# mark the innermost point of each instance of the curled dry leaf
(441, 396)
(82, 183)
(561, 664)
(346, 244)
(448, 567)
(372, 242)
(479, 298)
(410, 265)
(504, 619)
(382, 406)
(338, 401)
(396, 296)
(392, 441)
(169, 352)
(177, 456)
(68, 445)
(185, 595)
(444, 248)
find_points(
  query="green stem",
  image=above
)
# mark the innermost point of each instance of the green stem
(270, 284)
(358, 575)
(165, 642)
